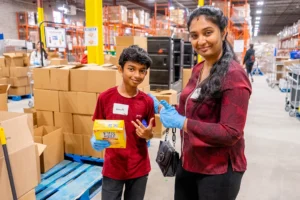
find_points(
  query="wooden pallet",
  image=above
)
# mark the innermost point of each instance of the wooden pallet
(84, 159)
(19, 98)
(70, 180)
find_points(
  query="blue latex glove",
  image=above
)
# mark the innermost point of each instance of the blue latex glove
(156, 102)
(99, 145)
(170, 117)
(36, 63)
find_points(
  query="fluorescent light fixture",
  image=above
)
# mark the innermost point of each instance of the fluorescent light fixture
(257, 18)
(258, 11)
(260, 3)
(255, 34)
(171, 8)
(213, 3)
(257, 22)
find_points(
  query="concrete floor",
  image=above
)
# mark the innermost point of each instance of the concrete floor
(272, 150)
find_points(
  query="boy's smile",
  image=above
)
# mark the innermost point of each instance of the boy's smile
(133, 74)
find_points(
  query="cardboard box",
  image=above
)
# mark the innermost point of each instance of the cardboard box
(53, 138)
(28, 196)
(26, 59)
(45, 118)
(14, 59)
(33, 113)
(60, 77)
(42, 78)
(58, 61)
(19, 82)
(159, 129)
(187, 73)
(64, 120)
(3, 97)
(146, 89)
(83, 124)
(73, 143)
(28, 90)
(4, 81)
(168, 95)
(39, 148)
(109, 59)
(77, 102)
(2, 61)
(22, 154)
(119, 50)
(94, 79)
(132, 40)
(88, 149)
(17, 91)
(6, 71)
(46, 100)
(18, 71)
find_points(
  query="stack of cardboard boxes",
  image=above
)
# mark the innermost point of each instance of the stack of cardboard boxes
(66, 96)
(178, 16)
(14, 72)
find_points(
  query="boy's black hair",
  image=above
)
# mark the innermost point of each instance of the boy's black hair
(135, 54)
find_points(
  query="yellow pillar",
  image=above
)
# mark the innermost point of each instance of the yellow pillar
(40, 11)
(200, 3)
(93, 14)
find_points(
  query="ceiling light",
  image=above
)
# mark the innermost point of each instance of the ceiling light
(260, 3)
(257, 18)
(255, 34)
(258, 11)
(257, 22)
(171, 8)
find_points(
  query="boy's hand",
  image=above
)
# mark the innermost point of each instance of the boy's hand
(142, 131)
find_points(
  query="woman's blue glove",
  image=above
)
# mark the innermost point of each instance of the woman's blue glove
(170, 117)
(36, 63)
(99, 145)
(156, 102)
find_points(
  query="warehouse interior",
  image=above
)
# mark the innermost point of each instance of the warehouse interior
(49, 92)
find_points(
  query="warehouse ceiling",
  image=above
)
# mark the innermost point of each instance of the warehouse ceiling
(276, 14)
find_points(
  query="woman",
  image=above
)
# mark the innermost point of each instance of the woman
(211, 114)
(35, 57)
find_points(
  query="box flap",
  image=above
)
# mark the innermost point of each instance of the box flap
(41, 148)
(4, 88)
(38, 132)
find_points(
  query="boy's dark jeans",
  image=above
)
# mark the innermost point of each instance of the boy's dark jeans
(134, 188)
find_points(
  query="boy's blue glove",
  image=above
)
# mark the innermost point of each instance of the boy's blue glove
(170, 117)
(99, 145)
(156, 102)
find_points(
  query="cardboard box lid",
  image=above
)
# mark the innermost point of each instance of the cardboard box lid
(44, 130)
(4, 88)
(17, 130)
(13, 55)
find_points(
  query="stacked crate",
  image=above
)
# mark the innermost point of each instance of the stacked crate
(14, 72)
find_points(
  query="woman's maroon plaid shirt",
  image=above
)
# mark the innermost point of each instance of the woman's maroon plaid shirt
(215, 133)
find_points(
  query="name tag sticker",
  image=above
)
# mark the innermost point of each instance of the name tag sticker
(120, 109)
(196, 93)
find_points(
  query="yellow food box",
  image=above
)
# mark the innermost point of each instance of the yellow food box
(112, 131)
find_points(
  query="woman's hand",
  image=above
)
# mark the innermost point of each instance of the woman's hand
(142, 131)
(170, 117)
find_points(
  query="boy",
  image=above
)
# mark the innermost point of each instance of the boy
(129, 166)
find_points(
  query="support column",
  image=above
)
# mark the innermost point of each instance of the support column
(200, 3)
(93, 14)
(40, 11)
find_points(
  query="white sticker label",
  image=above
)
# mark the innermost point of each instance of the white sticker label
(120, 109)
(196, 93)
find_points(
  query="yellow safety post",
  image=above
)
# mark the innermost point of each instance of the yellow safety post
(40, 11)
(93, 14)
(200, 3)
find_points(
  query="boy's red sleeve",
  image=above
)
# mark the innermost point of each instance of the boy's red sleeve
(151, 113)
(99, 110)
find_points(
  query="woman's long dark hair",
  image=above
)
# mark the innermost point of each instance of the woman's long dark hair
(43, 50)
(211, 87)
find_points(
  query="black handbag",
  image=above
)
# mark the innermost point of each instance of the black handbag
(167, 157)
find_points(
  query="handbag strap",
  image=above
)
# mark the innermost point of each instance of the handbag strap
(173, 135)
